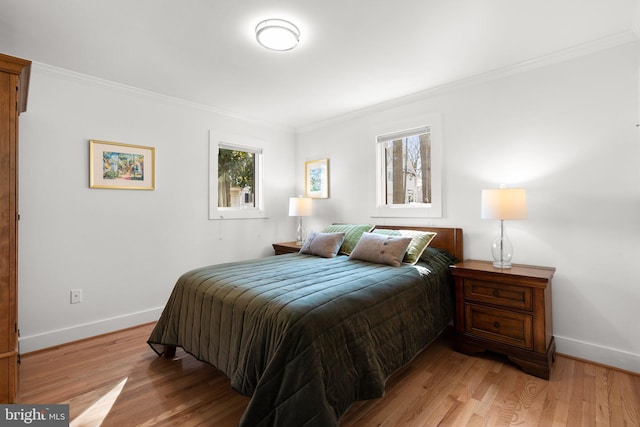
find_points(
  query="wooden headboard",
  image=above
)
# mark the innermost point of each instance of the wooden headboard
(449, 239)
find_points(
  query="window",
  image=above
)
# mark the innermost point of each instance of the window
(407, 163)
(236, 178)
(235, 181)
(408, 183)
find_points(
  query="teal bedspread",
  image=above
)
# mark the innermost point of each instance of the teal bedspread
(305, 336)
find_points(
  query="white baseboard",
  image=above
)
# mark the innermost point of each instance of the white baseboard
(598, 354)
(35, 342)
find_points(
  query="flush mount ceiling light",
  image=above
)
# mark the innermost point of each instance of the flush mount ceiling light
(277, 34)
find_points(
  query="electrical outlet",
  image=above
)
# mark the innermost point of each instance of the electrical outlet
(76, 296)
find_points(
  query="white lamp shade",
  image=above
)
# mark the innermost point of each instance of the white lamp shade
(299, 206)
(504, 203)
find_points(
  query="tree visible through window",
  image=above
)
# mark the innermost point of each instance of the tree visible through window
(407, 167)
(236, 178)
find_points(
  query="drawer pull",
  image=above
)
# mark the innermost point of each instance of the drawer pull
(496, 325)
(496, 293)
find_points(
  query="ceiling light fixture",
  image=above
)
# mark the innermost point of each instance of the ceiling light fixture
(277, 34)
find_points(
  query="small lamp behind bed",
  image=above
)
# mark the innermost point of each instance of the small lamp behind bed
(300, 206)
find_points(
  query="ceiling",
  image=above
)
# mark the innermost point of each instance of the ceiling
(352, 53)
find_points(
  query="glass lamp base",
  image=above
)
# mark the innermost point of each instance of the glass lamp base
(502, 250)
(502, 264)
(300, 232)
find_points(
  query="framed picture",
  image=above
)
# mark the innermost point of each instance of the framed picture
(316, 173)
(121, 166)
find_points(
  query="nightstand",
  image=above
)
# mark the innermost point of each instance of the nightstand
(507, 311)
(286, 248)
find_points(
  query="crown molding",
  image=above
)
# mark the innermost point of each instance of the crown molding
(542, 61)
(97, 81)
(632, 35)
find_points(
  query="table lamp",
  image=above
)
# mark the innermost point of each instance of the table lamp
(300, 206)
(501, 204)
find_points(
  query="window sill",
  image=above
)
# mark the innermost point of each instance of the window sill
(407, 212)
(237, 214)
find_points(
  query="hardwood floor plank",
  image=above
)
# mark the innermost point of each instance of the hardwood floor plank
(531, 402)
(117, 380)
(463, 413)
(624, 390)
(505, 402)
(576, 388)
(588, 393)
(483, 409)
(602, 397)
(560, 414)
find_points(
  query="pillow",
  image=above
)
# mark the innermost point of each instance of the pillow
(325, 245)
(381, 249)
(437, 255)
(352, 233)
(419, 241)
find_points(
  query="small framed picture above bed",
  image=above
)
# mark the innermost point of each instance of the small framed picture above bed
(121, 166)
(316, 179)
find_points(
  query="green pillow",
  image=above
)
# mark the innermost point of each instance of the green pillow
(419, 241)
(352, 233)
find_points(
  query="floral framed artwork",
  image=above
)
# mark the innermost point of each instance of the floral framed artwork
(316, 173)
(121, 166)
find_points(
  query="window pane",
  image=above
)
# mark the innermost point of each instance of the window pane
(408, 169)
(236, 178)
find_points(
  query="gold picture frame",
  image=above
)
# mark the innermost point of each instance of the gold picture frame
(316, 173)
(121, 166)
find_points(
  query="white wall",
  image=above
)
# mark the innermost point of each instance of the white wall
(566, 132)
(125, 248)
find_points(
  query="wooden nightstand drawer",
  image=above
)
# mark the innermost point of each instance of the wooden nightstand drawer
(503, 326)
(506, 310)
(509, 296)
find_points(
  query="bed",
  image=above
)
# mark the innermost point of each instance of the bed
(306, 336)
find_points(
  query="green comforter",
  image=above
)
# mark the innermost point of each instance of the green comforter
(305, 336)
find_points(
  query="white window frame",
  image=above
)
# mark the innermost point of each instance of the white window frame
(217, 141)
(406, 128)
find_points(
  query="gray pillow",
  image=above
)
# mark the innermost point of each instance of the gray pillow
(419, 241)
(381, 249)
(322, 244)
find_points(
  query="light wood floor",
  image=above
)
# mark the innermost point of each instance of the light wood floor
(117, 380)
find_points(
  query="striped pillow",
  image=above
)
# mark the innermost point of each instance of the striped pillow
(352, 233)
